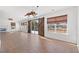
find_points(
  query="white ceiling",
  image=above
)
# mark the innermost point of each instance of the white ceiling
(18, 12)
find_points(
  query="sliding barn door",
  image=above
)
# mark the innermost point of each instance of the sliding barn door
(41, 26)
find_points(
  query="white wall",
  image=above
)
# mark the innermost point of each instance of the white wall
(71, 36)
(78, 28)
(8, 12)
(5, 23)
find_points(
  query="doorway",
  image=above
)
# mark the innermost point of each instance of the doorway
(36, 26)
(33, 26)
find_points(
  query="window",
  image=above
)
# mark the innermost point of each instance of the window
(13, 25)
(51, 27)
(57, 24)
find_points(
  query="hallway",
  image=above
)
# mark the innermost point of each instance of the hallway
(21, 42)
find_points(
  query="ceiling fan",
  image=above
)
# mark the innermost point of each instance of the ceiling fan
(10, 19)
(33, 13)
